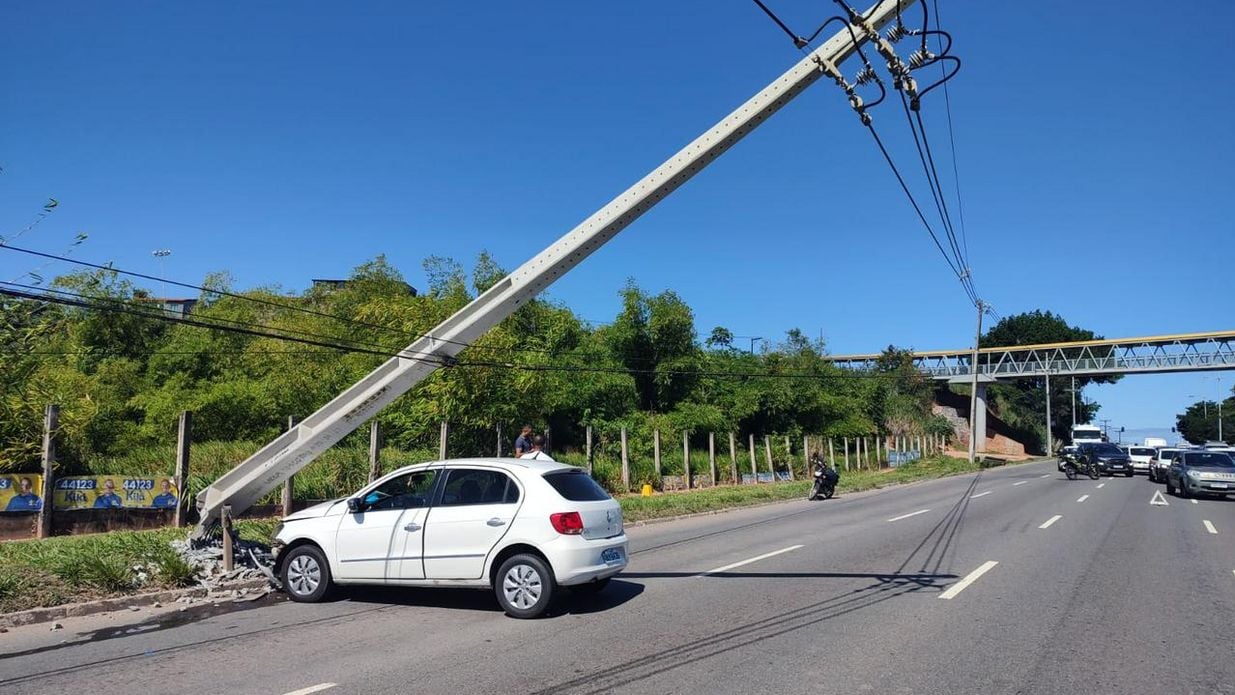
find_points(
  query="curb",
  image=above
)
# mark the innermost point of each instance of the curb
(34, 616)
(713, 512)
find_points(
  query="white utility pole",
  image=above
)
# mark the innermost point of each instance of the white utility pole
(973, 393)
(274, 463)
(1050, 441)
(1074, 401)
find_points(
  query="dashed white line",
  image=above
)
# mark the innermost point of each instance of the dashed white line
(980, 494)
(906, 516)
(1195, 502)
(1209, 526)
(1101, 485)
(313, 689)
(1045, 475)
(747, 562)
(1051, 520)
(1082, 498)
(969, 579)
(1020, 483)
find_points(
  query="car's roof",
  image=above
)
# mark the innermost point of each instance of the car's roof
(533, 465)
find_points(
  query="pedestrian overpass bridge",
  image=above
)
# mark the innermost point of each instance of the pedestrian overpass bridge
(1186, 352)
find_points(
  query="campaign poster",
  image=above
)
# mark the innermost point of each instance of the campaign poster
(115, 492)
(19, 492)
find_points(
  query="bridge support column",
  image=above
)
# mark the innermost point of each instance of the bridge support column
(979, 419)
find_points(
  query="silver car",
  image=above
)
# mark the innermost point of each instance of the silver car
(1159, 464)
(1201, 473)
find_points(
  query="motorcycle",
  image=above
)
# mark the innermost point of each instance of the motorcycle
(1088, 465)
(826, 478)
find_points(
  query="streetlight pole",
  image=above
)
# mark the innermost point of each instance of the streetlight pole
(1050, 441)
(1074, 401)
(162, 255)
(973, 389)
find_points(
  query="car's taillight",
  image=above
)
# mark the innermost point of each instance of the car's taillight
(567, 523)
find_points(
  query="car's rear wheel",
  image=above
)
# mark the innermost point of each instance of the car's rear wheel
(306, 574)
(1182, 489)
(525, 586)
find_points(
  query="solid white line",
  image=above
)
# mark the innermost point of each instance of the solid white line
(1082, 498)
(906, 516)
(1100, 485)
(1020, 483)
(1051, 520)
(980, 494)
(969, 579)
(313, 689)
(747, 562)
(1209, 527)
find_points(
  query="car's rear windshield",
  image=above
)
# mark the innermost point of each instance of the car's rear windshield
(1141, 451)
(1209, 459)
(576, 486)
(1106, 450)
(1167, 453)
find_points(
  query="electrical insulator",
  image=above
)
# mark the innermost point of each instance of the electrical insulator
(866, 76)
(897, 33)
(919, 58)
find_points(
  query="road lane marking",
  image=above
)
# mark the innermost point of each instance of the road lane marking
(980, 494)
(969, 579)
(747, 562)
(1051, 520)
(1082, 498)
(906, 516)
(1100, 485)
(1209, 526)
(1045, 475)
(1158, 500)
(1195, 502)
(1020, 483)
(313, 689)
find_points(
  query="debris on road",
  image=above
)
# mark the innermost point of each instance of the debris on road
(250, 561)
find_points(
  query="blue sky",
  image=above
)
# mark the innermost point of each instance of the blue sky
(284, 141)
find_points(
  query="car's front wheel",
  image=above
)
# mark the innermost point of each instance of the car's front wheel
(306, 574)
(525, 586)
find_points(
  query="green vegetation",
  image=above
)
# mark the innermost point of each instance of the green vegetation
(121, 379)
(66, 569)
(1199, 423)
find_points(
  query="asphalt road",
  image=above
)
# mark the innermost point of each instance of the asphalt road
(959, 585)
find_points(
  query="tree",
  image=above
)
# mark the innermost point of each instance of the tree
(1199, 423)
(1022, 403)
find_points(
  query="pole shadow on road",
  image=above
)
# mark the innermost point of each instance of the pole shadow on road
(617, 593)
(930, 555)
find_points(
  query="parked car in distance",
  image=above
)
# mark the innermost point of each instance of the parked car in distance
(1159, 464)
(1201, 472)
(1111, 459)
(1141, 457)
(522, 528)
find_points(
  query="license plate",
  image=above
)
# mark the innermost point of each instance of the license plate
(1218, 486)
(612, 556)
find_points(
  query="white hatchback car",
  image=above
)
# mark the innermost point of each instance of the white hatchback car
(522, 528)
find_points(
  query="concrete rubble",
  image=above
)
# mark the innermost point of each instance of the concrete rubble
(250, 562)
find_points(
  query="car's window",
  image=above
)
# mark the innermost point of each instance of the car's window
(1105, 450)
(1167, 454)
(1210, 459)
(403, 492)
(478, 486)
(576, 486)
(1141, 451)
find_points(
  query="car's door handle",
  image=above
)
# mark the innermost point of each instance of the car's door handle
(495, 522)
(412, 527)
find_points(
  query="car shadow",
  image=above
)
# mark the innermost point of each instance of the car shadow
(569, 602)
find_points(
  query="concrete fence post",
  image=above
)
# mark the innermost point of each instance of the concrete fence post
(754, 466)
(498, 430)
(712, 457)
(625, 464)
(831, 452)
(184, 437)
(846, 453)
(375, 450)
(441, 441)
(767, 450)
(733, 457)
(656, 451)
(686, 457)
(289, 486)
(51, 423)
(589, 449)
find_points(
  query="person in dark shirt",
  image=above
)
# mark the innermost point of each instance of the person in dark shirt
(165, 499)
(26, 500)
(109, 498)
(523, 443)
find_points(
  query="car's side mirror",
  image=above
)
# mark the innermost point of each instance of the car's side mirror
(355, 505)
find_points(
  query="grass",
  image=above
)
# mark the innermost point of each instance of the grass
(67, 569)
(77, 568)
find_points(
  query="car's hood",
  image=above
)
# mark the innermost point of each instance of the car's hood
(317, 510)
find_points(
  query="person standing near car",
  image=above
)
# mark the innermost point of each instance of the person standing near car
(537, 452)
(523, 443)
